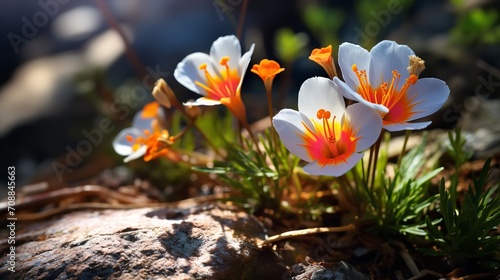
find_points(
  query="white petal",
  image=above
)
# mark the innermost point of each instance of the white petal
(188, 71)
(137, 154)
(314, 168)
(350, 54)
(202, 101)
(288, 124)
(386, 57)
(348, 93)
(407, 126)
(243, 64)
(226, 46)
(366, 123)
(428, 94)
(320, 93)
(121, 145)
(245, 60)
(142, 123)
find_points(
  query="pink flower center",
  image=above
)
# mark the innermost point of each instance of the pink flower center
(329, 143)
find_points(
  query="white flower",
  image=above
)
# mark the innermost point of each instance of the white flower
(380, 79)
(142, 138)
(217, 76)
(324, 132)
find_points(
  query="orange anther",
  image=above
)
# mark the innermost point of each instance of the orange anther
(412, 79)
(224, 60)
(320, 113)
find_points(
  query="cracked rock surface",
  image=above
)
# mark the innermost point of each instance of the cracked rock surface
(204, 242)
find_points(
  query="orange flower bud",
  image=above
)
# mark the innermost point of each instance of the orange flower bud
(324, 58)
(267, 69)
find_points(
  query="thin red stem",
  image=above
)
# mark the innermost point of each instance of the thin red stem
(241, 22)
(129, 50)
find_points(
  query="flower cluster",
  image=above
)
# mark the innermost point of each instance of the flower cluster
(336, 121)
(389, 94)
(384, 83)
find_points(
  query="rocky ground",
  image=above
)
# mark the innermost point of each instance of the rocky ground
(204, 242)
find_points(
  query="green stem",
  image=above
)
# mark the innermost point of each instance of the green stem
(366, 190)
(192, 121)
(368, 170)
(274, 134)
(270, 103)
(254, 139)
(345, 196)
(298, 185)
(375, 160)
(208, 141)
(400, 158)
(240, 133)
(363, 175)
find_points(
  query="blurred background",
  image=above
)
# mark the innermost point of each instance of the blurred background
(74, 72)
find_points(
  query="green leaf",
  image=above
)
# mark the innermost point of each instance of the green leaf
(432, 229)
(426, 177)
(289, 45)
(427, 251)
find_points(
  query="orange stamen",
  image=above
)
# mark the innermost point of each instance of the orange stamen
(220, 85)
(391, 95)
(223, 86)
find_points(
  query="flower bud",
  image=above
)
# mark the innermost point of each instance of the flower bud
(164, 94)
(323, 57)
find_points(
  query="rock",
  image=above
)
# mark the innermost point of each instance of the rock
(480, 126)
(326, 271)
(204, 242)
